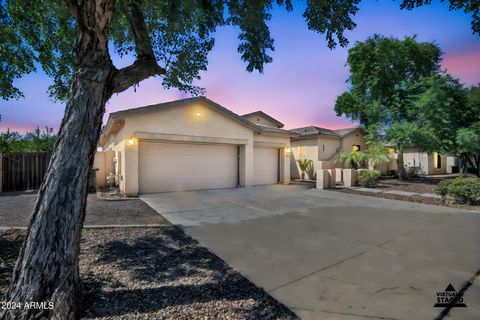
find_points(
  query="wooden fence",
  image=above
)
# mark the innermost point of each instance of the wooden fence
(23, 170)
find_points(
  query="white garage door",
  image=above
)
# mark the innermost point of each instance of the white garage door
(177, 167)
(265, 166)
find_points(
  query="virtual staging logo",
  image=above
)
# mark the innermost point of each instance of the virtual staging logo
(450, 298)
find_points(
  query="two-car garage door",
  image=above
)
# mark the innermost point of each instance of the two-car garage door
(164, 167)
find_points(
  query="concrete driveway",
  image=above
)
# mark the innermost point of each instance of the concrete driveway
(330, 255)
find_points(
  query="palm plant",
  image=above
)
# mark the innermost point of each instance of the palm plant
(303, 164)
(376, 153)
(353, 159)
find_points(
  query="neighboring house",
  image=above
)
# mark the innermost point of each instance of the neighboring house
(429, 164)
(194, 144)
(323, 146)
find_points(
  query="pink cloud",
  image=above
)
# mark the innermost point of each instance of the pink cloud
(464, 65)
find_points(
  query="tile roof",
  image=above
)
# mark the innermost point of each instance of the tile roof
(259, 128)
(315, 131)
(266, 116)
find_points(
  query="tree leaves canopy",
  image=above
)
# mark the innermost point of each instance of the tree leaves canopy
(382, 71)
(41, 34)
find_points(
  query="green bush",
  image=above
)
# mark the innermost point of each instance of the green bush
(462, 190)
(368, 178)
(412, 172)
(394, 174)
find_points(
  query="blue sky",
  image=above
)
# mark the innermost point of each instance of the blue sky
(299, 87)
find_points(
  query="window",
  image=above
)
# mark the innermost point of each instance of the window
(356, 147)
(301, 151)
(437, 160)
(392, 150)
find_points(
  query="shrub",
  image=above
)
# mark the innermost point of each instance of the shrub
(394, 174)
(303, 164)
(412, 172)
(462, 190)
(368, 178)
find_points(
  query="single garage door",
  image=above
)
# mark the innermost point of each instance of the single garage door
(167, 167)
(265, 166)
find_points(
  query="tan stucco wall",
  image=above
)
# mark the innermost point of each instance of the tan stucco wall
(328, 147)
(324, 148)
(413, 157)
(189, 121)
(311, 153)
(104, 164)
(257, 119)
(431, 168)
(354, 138)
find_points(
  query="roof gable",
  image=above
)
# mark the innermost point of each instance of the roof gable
(265, 116)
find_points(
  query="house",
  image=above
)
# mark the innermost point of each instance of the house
(192, 144)
(429, 164)
(323, 146)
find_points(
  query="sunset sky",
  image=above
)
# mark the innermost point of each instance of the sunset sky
(300, 86)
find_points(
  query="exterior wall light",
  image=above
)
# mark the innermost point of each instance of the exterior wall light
(130, 141)
(287, 151)
(198, 114)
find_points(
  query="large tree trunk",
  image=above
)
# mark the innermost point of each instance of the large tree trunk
(402, 174)
(47, 267)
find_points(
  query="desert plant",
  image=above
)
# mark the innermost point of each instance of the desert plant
(353, 159)
(368, 178)
(376, 153)
(412, 172)
(312, 175)
(303, 164)
(462, 190)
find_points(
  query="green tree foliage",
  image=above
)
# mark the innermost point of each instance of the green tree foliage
(397, 89)
(468, 144)
(180, 34)
(382, 71)
(34, 141)
(72, 40)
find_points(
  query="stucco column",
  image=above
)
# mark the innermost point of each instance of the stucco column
(246, 165)
(350, 177)
(331, 177)
(284, 165)
(338, 175)
(129, 168)
(323, 179)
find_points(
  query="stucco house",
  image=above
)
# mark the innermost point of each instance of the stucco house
(429, 163)
(192, 144)
(323, 146)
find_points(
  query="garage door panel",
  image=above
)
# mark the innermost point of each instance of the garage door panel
(176, 167)
(265, 166)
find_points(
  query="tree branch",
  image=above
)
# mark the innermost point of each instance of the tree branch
(133, 74)
(146, 65)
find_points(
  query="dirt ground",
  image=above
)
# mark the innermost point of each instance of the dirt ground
(16, 208)
(417, 185)
(154, 273)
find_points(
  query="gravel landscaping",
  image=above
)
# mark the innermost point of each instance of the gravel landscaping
(154, 273)
(418, 185)
(423, 185)
(16, 208)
